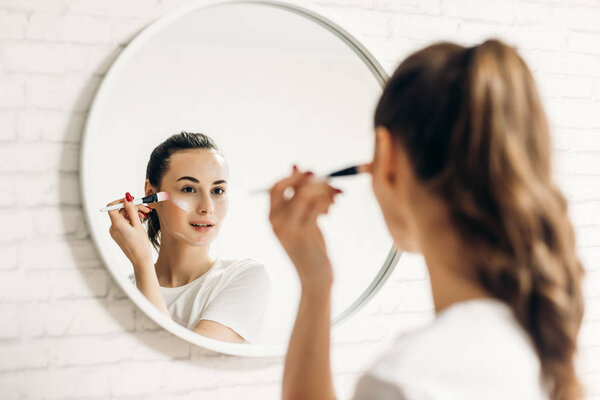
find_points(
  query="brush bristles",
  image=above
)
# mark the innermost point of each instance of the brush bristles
(162, 196)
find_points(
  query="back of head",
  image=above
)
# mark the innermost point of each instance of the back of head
(477, 136)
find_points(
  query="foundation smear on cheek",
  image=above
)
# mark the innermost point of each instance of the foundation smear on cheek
(192, 242)
(181, 203)
(186, 204)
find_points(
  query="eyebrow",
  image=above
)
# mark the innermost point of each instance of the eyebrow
(191, 178)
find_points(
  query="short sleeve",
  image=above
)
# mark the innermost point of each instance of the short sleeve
(370, 387)
(397, 373)
(473, 350)
(242, 304)
(403, 387)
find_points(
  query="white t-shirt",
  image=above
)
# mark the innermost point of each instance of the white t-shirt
(233, 292)
(473, 350)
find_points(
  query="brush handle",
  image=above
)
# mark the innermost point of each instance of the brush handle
(121, 205)
(151, 198)
(353, 170)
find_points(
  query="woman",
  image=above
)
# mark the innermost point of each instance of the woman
(223, 299)
(461, 170)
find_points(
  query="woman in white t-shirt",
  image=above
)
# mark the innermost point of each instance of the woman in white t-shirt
(224, 299)
(461, 171)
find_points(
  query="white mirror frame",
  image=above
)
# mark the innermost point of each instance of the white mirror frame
(248, 350)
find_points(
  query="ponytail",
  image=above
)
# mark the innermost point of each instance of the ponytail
(477, 137)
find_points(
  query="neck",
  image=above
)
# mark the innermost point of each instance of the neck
(449, 286)
(452, 277)
(179, 263)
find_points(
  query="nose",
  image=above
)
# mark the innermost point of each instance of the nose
(205, 205)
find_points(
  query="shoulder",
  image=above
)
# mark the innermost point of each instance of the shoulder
(367, 385)
(247, 268)
(476, 347)
(242, 264)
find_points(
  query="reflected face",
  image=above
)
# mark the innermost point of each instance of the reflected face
(198, 196)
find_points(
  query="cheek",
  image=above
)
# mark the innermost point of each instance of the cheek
(374, 188)
(376, 192)
(391, 208)
(172, 211)
(180, 204)
(221, 207)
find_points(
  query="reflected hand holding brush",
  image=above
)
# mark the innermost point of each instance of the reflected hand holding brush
(353, 170)
(153, 198)
(126, 226)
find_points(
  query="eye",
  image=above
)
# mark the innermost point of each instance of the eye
(187, 187)
(221, 189)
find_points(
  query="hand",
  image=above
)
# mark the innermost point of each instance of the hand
(294, 222)
(128, 232)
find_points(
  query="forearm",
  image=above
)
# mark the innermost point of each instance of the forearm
(307, 372)
(147, 282)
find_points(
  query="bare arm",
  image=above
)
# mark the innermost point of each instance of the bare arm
(215, 330)
(147, 282)
(307, 373)
(127, 230)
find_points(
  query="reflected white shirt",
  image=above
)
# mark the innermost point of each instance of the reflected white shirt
(233, 292)
(474, 349)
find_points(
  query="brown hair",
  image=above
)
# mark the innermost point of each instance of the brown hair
(477, 136)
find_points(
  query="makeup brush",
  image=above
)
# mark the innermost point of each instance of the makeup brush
(353, 170)
(153, 198)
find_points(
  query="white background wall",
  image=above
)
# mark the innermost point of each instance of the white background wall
(66, 331)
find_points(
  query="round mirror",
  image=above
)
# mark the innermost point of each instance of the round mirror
(271, 84)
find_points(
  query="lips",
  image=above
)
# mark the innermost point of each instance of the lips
(199, 228)
(201, 223)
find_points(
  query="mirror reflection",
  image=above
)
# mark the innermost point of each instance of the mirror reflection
(210, 105)
(224, 299)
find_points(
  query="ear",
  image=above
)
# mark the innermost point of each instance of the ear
(383, 166)
(148, 190)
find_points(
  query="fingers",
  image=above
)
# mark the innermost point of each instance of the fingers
(368, 167)
(319, 206)
(315, 209)
(310, 199)
(141, 215)
(114, 214)
(307, 196)
(132, 213)
(142, 211)
(277, 191)
(116, 201)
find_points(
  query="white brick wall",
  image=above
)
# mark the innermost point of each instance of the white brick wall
(66, 330)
